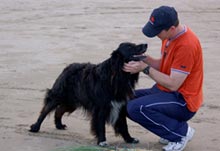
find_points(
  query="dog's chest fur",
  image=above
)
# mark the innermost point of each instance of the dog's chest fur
(115, 110)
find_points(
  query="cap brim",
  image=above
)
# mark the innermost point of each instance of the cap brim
(150, 31)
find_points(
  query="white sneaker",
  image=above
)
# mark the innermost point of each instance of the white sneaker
(179, 146)
(163, 141)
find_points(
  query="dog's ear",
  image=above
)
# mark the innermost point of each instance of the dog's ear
(115, 65)
(117, 61)
(124, 49)
(117, 74)
(115, 54)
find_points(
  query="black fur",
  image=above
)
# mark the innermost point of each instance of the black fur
(102, 90)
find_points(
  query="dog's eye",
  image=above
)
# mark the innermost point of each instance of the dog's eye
(130, 47)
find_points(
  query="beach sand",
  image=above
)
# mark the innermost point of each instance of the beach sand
(39, 38)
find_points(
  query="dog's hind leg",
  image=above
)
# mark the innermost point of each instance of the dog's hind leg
(121, 127)
(46, 109)
(60, 110)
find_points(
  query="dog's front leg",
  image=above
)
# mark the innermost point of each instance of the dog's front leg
(121, 127)
(98, 127)
(101, 129)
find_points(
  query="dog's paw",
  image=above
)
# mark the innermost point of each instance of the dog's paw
(103, 144)
(61, 126)
(133, 141)
(34, 128)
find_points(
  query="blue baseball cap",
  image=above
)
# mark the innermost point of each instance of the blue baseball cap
(161, 18)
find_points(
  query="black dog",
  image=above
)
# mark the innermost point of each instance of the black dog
(102, 90)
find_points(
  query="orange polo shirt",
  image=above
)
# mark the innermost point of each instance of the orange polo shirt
(184, 54)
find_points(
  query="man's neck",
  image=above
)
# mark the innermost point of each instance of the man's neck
(178, 30)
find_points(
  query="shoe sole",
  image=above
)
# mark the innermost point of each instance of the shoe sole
(163, 142)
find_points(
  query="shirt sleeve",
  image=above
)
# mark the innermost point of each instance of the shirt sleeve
(183, 60)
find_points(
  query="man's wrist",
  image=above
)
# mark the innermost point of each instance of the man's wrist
(146, 59)
(147, 70)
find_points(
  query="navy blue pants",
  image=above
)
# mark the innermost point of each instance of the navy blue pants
(163, 113)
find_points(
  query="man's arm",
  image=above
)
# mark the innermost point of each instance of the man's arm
(172, 82)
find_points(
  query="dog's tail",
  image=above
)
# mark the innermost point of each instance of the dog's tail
(47, 98)
(50, 100)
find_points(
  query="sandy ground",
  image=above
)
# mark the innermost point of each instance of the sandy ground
(38, 38)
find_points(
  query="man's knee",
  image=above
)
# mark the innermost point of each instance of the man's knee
(132, 110)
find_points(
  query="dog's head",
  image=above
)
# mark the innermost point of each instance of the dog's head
(130, 51)
(123, 82)
(127, 52)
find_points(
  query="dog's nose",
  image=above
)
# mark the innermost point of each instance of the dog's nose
(145, 45)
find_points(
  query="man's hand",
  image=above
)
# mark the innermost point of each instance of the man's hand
(134, 66)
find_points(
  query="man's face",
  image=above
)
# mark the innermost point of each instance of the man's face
(166, 34)
(163, 34)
